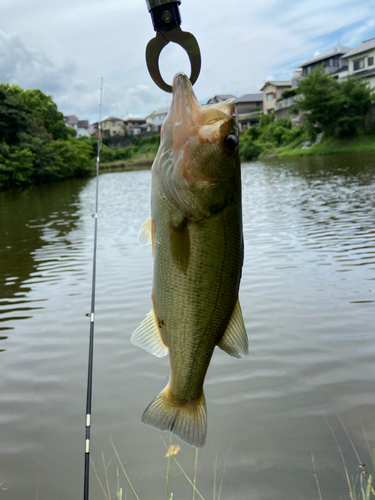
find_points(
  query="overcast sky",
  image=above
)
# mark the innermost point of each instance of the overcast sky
(64, 47)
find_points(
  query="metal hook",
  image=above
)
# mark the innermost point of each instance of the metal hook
(166, 20)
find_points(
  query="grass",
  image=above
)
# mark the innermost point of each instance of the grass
(361, 143)
(361, 486)
(140, 162)
(172, 451)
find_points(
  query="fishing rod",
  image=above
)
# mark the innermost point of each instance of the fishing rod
(166, 21)
(92, 313)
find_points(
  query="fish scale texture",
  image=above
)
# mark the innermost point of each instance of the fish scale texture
(195, 306)
(198, 254)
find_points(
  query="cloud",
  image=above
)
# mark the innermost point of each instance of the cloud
(117, 101)
(31, 68)
(241, 43)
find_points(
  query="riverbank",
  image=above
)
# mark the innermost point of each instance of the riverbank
(133, 164)
(329, 145)
(360, 144)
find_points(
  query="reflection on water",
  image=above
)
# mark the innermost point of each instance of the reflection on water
(307, 296)
(36, 225)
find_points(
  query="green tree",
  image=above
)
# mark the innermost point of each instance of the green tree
(35, 143)
(45, 111)
(356, 98)
(321, 101)
(14, 116)
(333, 107)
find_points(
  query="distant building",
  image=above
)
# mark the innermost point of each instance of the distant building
(156, 118)
(94, 128)
(112, 126)
(80, 126)
(272, 91)
(134, 125)
(361, 61)
(248, 110)
(334, 61)
(220, 98)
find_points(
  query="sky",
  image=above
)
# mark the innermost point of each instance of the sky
(65, 47)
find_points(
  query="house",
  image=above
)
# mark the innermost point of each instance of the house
(94, 128)
(156, 119)
(334, 61)
(133, 125)
(80, 126)
(361, 61)
(248, 110)
(71, 121)
(112, 126)
(284, 106)
(220, 98)
(272, 91)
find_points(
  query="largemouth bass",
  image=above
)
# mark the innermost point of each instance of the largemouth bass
(196, 232)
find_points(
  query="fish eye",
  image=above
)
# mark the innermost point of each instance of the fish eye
(230, 142)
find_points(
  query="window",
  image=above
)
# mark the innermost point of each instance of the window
(370, 61)
(270, 96)
(113, 123)
(358, 64)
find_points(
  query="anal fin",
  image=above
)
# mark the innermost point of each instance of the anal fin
(235, 341)
(147, 336)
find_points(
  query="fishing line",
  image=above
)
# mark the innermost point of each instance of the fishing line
(92, 313)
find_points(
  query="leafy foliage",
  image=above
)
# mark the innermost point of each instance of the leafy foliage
(333, 107)
(287, 93)
(35, 143)
(267, 119)
(263, 140)
(142, 146)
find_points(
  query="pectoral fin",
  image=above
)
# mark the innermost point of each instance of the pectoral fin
(180, 245)
(234, 341)
(147, 336)
(146, 234)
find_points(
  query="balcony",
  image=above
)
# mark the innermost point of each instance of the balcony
(287, 103)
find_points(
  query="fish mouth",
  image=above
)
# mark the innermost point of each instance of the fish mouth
(185, 108)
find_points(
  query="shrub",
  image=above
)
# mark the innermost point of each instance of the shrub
(249, 149)
(267, 119)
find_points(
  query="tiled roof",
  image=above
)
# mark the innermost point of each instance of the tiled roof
(277, 83)
(134, 119)
(220, 98)
(71, 120)
(340, 70)
(250, 98)
(83, 124)
(339, 50)
(160, 111)
(363, 74)
(366, 45)
(109, 118)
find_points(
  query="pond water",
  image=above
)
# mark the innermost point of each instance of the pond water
(307, 295)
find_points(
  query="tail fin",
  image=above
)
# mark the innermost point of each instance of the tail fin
(188, 422)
